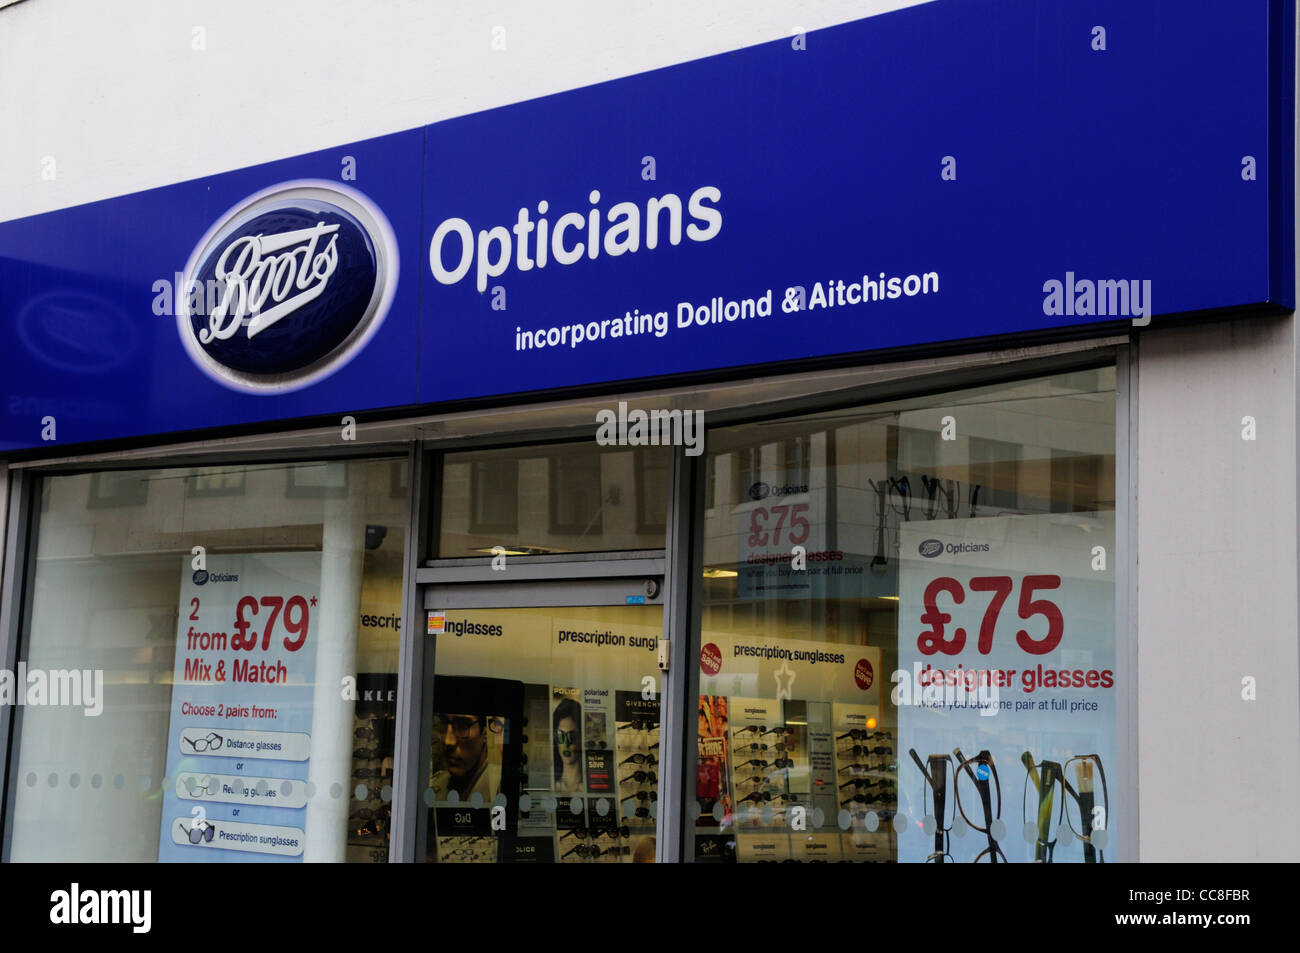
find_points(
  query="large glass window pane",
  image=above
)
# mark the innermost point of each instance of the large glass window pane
(909, 655)
(225, 642)
(557, 498)
(545, 738)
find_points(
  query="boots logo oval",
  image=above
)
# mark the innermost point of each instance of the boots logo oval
(287, 287)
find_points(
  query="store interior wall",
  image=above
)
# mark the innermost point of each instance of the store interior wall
(100, 89)
(1217, 592)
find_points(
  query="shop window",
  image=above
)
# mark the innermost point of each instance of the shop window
(552, 498)
(494, 495)
(577, 491)
(937, 681)
(221, 680)
(651, 492)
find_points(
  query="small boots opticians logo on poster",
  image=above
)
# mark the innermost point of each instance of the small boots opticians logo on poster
(287, 287)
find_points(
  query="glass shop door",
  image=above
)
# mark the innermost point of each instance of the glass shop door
(540, 721)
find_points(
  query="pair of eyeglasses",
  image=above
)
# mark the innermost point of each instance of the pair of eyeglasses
(367, 754)
(756, 762)
(209, 742)
(640, 777)
(639, 725)
(857, 734)
(786, 730)
(461, 725)
(204, 785)
(864, 749)
(757, 729)
(592, 852)
(1051, 784)
(759, 796)
(364, 733)
(780, 763)
(639, 759)
(642, 796)
(977, 777)
(362, 773)
(202, 831)
(753, 746)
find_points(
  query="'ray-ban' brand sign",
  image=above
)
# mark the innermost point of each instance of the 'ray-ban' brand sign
(302, 275)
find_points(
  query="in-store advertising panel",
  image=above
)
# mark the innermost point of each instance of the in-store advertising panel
(727, 212)
(239, 740)
(589, 735)
(1006, 689)
(780, 776)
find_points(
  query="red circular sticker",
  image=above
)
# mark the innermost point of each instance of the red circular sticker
(710, 659)
(863, 674)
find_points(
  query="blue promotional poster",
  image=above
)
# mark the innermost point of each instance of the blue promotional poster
(239, 742)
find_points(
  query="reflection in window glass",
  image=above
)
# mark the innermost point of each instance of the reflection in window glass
(566, 498)
(909, 654)
(242, 695)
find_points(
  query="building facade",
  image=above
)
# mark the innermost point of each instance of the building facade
(578, 434)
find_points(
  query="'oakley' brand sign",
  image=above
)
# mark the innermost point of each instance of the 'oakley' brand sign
(304, 272)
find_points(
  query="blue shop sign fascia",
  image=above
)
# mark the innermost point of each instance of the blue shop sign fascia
(946, 172)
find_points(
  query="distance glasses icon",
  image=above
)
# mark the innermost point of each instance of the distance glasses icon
(203, 831)
(209, 742)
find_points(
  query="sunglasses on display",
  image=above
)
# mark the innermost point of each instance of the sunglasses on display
(641, 812)
(367, 754)
(364, 733)
(753, 746)
(756, 762)
(639, 725)
(639, 759)
(642, 796)
(640, 777)
(758, 796)
(757, 729)
(783, 763)
(857, 734)
(363, 773)
(781, 730)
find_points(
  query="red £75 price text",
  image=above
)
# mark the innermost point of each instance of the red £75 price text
(935, 640)
(759, 515)
(296, 618)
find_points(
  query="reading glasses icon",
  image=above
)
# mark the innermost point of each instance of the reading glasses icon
(209, 742)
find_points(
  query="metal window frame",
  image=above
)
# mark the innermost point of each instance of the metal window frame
(680, 561)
